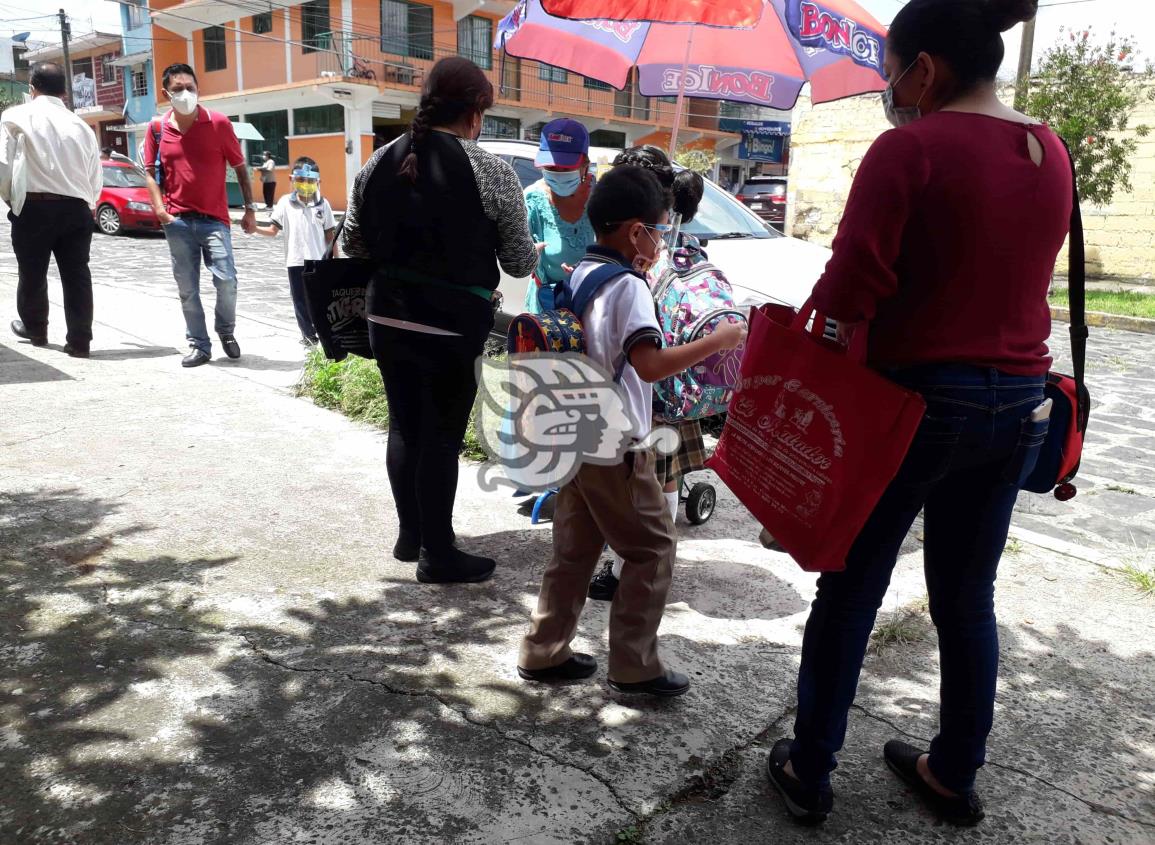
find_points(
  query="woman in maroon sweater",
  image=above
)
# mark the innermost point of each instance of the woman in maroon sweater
(944, 255)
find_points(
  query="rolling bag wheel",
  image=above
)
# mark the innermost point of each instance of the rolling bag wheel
(700, 503)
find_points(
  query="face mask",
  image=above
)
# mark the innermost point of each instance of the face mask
(185, 102)
(905, 115)
(564, 183)
(641, 263)
(305, 190)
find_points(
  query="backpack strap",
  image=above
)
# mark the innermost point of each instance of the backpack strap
(594, 281)
(154, 127)
(1077, 299)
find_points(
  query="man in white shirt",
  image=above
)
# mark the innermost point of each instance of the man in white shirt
(51, 177)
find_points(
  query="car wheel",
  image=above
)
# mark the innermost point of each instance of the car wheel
(108, 220)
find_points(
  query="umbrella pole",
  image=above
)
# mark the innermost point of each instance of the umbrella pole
(680, 108)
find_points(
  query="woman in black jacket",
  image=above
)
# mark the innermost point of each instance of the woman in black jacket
(436, 213)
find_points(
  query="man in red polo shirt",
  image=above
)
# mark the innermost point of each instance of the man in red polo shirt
(185, 154)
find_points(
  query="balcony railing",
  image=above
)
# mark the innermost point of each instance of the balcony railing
(518, 82)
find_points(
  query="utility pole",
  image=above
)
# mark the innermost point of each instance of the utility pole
(1026, 57)
(65, 32)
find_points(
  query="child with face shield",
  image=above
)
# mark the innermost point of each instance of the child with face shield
(307, 221)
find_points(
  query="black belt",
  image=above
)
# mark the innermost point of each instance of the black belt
(194, 215)
(41, 195)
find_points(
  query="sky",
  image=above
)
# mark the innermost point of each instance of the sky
(1127, 16)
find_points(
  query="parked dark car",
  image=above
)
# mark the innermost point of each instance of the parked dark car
(766, 197)
(124, 204)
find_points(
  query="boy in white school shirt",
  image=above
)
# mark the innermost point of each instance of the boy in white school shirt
(307, 221)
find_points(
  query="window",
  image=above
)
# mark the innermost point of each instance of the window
(526, 172)
(216, 56)
(137, 13)
(116, 176)
(315, 26)
(406, 29)
(139, 82)
(318, 120)
(510, 77)
(505, 128)
(108, 69)
(263, 23)
(274, 128)
(607, 138)
(629, 103)
(596, 85)
(553, 74)
(19, 63)
(474, 37)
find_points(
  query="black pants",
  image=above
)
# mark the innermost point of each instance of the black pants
(301, 303)
(60, 229)
(431, 384)
(270, 189)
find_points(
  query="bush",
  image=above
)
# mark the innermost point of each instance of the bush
(354, 388)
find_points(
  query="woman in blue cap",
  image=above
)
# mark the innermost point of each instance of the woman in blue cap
(557, 208)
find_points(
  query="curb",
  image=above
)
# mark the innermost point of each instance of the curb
(1100, 320)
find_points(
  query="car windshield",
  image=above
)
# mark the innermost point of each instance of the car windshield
(123, 177)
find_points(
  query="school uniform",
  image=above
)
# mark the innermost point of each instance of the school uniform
(622, 505)
(304, 226)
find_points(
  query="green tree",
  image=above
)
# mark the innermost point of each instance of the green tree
(700, 161)
(1087, 91)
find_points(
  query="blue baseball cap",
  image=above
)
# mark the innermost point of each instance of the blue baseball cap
(563, 144)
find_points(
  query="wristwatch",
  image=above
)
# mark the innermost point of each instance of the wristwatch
(249, 207)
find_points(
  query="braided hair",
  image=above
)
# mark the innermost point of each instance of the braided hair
(686, 186)
(454, 88)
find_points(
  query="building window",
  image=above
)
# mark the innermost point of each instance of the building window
(19, 63)
(505, 128)
(607, 138)
(407, 29)
(510, 78)
(139, 82)
(216, 56)
(318, 120)
(108, 69)
(137, 13)
(315, 26)
(596, 85)
(553, 74)
(475, 40)
(263, 23)
(629, 103)
(274, 128)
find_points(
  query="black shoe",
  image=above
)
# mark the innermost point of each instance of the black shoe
(809, 805)
(77, 351)
(230, 345)
(577, 667)
(195, 358)
(407, 549)
(666, 686)
(604, 584)
(20, 331)
(965, 809)
(453, 566)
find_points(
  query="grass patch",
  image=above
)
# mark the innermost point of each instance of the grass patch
(1141, 578)
(908, 624)
(1125, 303)
(1119, 488)
(354, 388)
(1014, 546)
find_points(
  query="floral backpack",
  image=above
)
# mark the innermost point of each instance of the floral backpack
(693, 298)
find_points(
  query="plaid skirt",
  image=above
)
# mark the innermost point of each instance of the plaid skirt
(690, 457)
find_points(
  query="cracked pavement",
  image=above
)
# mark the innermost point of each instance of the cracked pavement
(206, 641)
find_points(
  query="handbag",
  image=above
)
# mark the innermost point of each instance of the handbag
(813, 437)
(335, 294)
(1061, 452)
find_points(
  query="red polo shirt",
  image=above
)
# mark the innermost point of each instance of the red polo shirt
(194, 163)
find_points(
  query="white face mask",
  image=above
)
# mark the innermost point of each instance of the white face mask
(906, 114)
(185, 102)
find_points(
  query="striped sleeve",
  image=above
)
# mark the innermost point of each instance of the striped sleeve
(504, 203)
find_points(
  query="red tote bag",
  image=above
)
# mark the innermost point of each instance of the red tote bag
(812, 436)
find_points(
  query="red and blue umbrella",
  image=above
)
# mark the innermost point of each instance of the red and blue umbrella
(836, 46)
(710, 12)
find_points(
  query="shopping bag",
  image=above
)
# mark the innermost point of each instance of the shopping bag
(335, 291)
(812, 436)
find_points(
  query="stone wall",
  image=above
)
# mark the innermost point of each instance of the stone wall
(828, 144)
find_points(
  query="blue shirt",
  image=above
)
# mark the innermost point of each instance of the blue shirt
(565, 242)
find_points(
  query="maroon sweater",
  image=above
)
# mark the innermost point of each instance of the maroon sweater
(948, 243)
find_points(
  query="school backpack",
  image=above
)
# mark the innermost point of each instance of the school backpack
(559, 329)
(693, 297)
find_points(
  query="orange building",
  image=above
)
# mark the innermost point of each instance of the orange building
(333, 79)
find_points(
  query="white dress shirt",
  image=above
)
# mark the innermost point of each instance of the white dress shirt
(45, 148)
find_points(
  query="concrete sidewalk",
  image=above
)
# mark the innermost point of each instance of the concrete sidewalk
(206, 641)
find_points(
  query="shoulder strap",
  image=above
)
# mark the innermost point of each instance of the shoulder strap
(1077, 298)
(594, 281)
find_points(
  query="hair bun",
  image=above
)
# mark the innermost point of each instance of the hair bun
(1006, 14)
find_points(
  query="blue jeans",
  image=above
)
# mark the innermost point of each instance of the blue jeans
(975, 444)
(189, 240)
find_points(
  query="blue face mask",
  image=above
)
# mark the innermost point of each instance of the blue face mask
(564, 183)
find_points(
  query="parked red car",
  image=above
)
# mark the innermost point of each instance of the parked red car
(766, 197)
(124, 204)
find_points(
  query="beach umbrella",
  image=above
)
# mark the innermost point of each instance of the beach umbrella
(836, 46)
(709, 12)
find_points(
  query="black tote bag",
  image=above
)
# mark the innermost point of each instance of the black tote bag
(335, 291)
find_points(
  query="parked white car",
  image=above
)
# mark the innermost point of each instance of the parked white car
(762, 264)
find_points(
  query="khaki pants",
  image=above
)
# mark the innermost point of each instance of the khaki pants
(624, 506)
